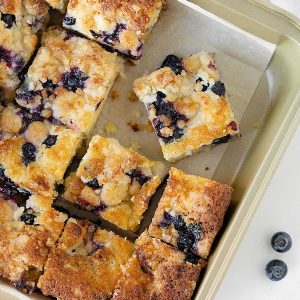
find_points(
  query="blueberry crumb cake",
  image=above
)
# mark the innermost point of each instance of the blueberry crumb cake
(28, 233)
(34, 153)
(157, 271)
(19, 22)
(119, 25)
(86, 263)
(69, 80)
(190, 213)
(114, 182)
(187, 105)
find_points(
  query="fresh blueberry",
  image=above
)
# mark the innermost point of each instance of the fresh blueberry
(276, 270)
(29, 153)
(138, 176)
(74, 79)
(218, 88)
(27, 218)
(69, 20)
(8, 19)
(281, 242)
(94, 184)
(50, 141)
(173, 62)
(222, 140)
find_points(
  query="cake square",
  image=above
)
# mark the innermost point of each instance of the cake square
(114, 182)
(157, 271)
(69, 80)
(86, 264)
(120, 25)
(27, 236)
(187, 105)
(19, 22)
(190, 212)
(34, 153)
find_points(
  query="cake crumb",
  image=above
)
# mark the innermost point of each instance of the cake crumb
(134, 125)
(132, 97)
(148, 127)
(115, 94)
(257, 125)
(111, 128)
(136, 113)
(135, 146)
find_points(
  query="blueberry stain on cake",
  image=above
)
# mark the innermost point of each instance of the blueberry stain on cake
(12, 61)
(167, 117)
(74, 79)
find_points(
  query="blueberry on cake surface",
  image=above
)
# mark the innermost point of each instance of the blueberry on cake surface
(120, 25)
(114, 182)
(86, 263)
(190, 213)
(187, 105)
(69, 80)
(34, 153)
(157, 271)
(28, 233)
(19, 22)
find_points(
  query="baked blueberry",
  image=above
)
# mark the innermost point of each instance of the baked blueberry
(167, 109)
(204, 85)
(12, 61)
(276, 270)
(192, 258)
(137, 175)
(50, 141)
(94, 184)
(29, 153)
(218, 88)
(173, 62)
(222, 140)
(69, 20)
(8, 19)
(281, 242)
(74, 79)
(111, 38)
(26, 95)
(166, 221)
(27, 218)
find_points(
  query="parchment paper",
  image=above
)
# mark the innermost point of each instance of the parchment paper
(184, 29)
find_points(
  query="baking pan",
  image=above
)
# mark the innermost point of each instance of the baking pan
(258, 52)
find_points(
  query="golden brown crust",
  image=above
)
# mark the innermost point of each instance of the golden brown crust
(18, 40)
(122, 25)
(115, 182)
(198, 100)
(197, 201)
(157, 271)
(86, 264)
(24, 248)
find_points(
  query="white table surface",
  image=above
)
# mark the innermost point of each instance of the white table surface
(279, 211)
